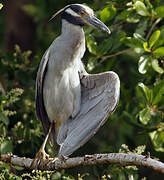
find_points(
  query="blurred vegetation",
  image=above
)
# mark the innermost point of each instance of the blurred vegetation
(134, 50)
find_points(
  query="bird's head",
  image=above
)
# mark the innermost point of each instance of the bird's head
(81, 15)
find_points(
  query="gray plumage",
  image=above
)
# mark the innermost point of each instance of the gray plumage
(76, 102)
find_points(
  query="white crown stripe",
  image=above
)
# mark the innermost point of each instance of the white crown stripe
(71, 12)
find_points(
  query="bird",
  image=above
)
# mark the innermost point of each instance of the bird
(72, 104)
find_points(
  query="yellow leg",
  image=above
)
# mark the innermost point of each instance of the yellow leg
(41, 154)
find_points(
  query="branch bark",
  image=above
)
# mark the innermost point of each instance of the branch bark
(88, 160)
(103, 58)
(152, 27)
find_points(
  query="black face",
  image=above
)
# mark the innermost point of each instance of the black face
(82, 15)
(73, 19)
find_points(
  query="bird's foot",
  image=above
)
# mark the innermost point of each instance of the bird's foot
(62, 158)
(41, 155)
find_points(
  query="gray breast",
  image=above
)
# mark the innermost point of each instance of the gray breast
(62, 91)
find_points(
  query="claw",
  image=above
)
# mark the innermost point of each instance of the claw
(41, 155)
(63, 158)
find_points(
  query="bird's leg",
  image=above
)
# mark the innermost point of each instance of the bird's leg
(41, 154)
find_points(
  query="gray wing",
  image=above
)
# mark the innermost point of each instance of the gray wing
(40, 108)
(100, 95)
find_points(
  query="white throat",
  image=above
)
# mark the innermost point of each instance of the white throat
(71, 29)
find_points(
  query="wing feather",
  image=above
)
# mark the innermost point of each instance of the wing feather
(100, 95)
(40, 108)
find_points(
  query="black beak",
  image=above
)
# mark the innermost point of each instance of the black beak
(93, 21)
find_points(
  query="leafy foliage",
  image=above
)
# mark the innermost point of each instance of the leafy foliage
(135, 50)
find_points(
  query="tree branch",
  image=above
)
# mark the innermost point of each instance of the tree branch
(103, 58)
(152, 27)
(87, 160)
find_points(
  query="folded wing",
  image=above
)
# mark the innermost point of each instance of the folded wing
(100, 95)
(40, 108)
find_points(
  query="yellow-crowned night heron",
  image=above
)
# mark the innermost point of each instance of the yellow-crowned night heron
(71, 103)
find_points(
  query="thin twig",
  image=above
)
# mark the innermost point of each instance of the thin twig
(115, 54)
(88, 160)
(152, 27)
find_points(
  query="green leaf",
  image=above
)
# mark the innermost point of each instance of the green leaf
(145, 116)
(6, 146)
(158, 92)
(123, 15)
(104, 47)
(149, 115)
(116, 40)
(107, 13)
(160, 41)
(1, 6)
(149, 5)
(133, 18)
(148, 93)
(142, 28)
(146, 48)
(154, 37)
(141, 8)
(143, 64)
(159, 51)
(159, 12)
(4, 119)
(139, 37)
(132, 42)
(156, 66)
(157, 138)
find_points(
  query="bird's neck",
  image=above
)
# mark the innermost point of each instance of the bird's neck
(71, 30)
(74, 41)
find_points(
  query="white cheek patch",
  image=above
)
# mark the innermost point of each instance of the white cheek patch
(72, 13)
